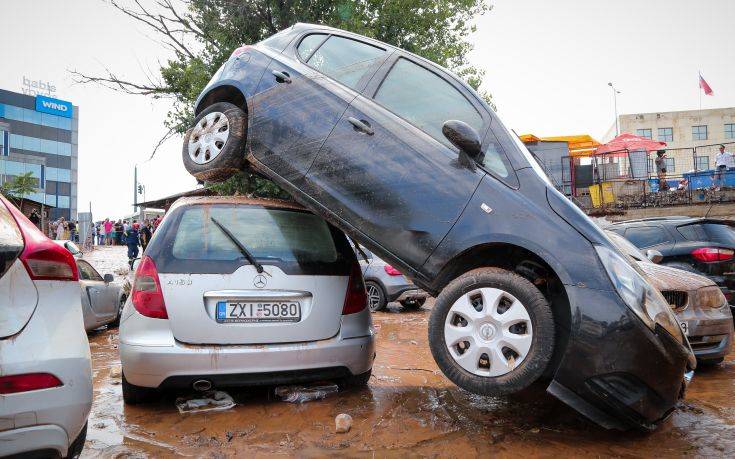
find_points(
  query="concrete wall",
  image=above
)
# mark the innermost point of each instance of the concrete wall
(726, 210)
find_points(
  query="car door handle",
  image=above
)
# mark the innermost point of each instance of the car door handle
(361, 125)
(282, 77)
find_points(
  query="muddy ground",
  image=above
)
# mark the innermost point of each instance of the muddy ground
(408, 409)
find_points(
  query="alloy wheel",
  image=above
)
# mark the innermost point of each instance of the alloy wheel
(488, 332)
(373, 296)
(208, 137)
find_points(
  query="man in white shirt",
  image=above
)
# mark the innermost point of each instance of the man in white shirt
(723, 161)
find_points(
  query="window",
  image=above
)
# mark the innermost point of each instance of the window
(87, 272)
(730, 131)
(644, 133)
(309, 44)
(666, 134)
(343, 59)
(699, 132)
(646, 236)
(701, 163)
(426, 100)
(708, 232)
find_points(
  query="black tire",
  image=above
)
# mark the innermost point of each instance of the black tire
(135, 395)
(75, 449)
(378, 302)
(231, 158)
(542, 323)
(360, 380)
(116, 323)
(414, 303)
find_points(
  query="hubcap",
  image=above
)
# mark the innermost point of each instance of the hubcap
(373, 296)
(208, 137)
(488, 332)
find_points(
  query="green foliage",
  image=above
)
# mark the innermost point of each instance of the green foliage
(248, 184)
(21, 185)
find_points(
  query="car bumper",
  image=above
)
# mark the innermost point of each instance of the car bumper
(411, 294)
(710, 331)
(170, 363)
(614, 369)
(36, 441)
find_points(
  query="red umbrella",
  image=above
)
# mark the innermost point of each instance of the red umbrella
(630, 142)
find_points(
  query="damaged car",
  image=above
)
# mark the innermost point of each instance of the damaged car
(410, 162)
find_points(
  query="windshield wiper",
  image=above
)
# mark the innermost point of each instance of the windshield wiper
(245, 252)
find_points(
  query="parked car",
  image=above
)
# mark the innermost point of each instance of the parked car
(411, 163)
(704, 246)
(699, 304)
(71, 246)
(45, 366)
(385, 284)
(238, 292)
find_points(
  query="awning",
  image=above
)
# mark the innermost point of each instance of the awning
(579, 145)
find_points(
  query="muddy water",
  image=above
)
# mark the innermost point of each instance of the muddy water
(409, 409)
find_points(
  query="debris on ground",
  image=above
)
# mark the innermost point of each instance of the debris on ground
(214, 400)
(343, 423)
(116, 371)
(302, 394)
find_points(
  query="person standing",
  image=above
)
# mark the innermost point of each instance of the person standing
(72, 231)
(35, 219)
(723, 161)
(60, 229)
(108, 231)
(145, 234)
(661, 170)
(132, 239)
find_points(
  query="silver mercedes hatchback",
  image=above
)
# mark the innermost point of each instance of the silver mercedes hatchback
(236, 292)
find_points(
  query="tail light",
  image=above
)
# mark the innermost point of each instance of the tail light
(241, 50)
(710, 254)
(356, 297)
(43, 259)
(391, 271)
(27, 382)
(147, 296)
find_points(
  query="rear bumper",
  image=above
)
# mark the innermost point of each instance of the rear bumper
(710, 331)
(37, 441)
(170, 363)
(412, 293)
(614, 369)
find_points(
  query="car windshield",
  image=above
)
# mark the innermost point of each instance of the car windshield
(626, 246)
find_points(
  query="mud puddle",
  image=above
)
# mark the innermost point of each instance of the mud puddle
(409, 409)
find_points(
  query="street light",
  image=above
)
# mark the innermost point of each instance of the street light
(615, 105)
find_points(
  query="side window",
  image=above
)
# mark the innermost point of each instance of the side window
(693, 232)
(87, 272)
(493, 158)
(425, 99)
(309, 44)
(646, 236)
(343, 59)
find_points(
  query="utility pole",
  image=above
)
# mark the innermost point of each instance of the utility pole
(615, 107)
(135, 189)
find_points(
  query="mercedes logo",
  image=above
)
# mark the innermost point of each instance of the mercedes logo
(259, 281)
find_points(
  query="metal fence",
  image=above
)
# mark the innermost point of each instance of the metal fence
(624, 179)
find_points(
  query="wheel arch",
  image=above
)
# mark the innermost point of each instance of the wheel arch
(222, 93)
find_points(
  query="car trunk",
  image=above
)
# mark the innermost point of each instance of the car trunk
(18, 295)
(215, 295)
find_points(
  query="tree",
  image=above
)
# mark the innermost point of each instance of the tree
(21, 186)
(201, 34)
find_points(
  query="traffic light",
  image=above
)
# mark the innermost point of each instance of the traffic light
(140, 189)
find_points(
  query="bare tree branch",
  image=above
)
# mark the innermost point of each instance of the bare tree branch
(170, 133)
(111, 81)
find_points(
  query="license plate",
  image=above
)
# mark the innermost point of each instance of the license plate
(684, 328)
(256, 311)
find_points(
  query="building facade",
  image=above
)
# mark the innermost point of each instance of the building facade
(692, 136)
(40, 135)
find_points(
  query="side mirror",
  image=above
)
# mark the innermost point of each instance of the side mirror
(463, 136)
(654, 255)
(108, 278)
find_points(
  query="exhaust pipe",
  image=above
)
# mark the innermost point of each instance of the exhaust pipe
(202, 385)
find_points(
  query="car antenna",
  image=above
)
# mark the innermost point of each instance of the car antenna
(359, 249)
(706, 214)
(243, 250)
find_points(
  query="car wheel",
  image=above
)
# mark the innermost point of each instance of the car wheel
(414, 303)
(116, 322)
(491, 332)
(75, 449)
(214, 144)
(360, 380)
(376, 296)
(134, 395)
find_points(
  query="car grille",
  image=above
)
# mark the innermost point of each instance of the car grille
(706, 343)
(676, 298)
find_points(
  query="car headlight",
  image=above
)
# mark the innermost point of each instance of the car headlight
(642, 298)
(709, 297)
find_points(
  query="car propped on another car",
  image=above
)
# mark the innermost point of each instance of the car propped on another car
(410, 162)
(237, 292)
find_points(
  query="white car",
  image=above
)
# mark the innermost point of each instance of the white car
(45, 366)
(237, 292)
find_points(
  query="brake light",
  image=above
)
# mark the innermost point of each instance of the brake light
(147, 295)
(356, 296)
(43, 259)
(241, 50)
(710, 254)
(27, 382)
(391, 271)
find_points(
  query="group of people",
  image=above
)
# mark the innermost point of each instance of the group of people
(60, 229)
(125, 232)
(724, 160)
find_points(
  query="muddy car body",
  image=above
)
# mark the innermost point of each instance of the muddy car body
(366, 135)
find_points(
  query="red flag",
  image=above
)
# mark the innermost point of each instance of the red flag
(705, 87)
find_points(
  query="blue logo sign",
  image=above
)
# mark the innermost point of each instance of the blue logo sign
(54, 106)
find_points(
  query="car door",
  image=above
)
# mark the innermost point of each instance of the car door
(98, 293)
(301, 97)
(387, 171)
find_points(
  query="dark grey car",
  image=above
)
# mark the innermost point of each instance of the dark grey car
(385, 284)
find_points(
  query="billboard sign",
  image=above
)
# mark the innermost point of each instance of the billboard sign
(53, 106)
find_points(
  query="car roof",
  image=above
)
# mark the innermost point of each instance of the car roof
(237, 200)
(674, 219)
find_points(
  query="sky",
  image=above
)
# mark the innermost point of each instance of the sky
(547, 64)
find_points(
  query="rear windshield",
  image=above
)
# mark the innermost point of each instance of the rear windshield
(296, 241)
(714, 232)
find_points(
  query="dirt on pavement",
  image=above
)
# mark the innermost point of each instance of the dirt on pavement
(409, 409)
